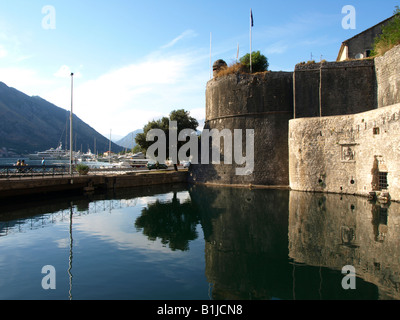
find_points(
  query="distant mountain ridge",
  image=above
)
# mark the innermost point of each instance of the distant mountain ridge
(30, 124)
(129, 140)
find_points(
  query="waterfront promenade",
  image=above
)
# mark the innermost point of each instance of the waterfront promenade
(29, 184)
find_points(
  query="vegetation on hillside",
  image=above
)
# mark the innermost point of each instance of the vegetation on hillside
(390, 36)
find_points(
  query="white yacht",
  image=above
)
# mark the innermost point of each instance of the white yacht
(51, 154)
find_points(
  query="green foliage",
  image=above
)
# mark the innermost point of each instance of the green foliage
(155, 124)
(182, 117)
(137, 149)
(259, 62)
(390, 36)
(82, 169)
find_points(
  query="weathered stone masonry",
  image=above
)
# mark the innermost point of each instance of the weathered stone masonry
(347, 154)
(354, 154)
(263, 102)
(334, 88)
(387, 70)
(343, 135)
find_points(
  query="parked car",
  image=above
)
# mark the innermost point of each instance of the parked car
(156, 165)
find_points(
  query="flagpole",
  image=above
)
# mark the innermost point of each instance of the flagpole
(251, 26)
(210, 55)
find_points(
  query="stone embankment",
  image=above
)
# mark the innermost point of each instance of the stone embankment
(19, 187)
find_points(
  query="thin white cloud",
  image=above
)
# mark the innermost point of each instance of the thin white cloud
(65, 72)
(26, 80)
(126, 98)
(3, 52)
(299, 26)
(277, 48)
(185, 34)
(198, 113)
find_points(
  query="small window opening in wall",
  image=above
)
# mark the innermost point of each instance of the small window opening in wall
(352, 181)
(376, 130)
(383, 182)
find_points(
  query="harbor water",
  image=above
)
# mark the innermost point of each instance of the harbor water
(185, 242)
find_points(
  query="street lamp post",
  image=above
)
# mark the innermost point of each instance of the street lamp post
(70, 124)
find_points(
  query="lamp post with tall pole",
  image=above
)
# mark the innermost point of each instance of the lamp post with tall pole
(70, 125)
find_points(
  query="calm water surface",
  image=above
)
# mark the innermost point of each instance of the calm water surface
(198, 243)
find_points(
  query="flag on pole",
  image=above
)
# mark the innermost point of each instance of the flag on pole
(251, 26)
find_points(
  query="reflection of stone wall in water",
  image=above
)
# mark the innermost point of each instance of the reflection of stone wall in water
(246, 241)
(364, 235)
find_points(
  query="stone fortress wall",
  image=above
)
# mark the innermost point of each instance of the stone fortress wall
(387, 70)
(263, 102)
(334, 88)
(352, 153)
(326, 127)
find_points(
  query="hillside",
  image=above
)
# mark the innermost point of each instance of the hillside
(29, 124)
(129, 140)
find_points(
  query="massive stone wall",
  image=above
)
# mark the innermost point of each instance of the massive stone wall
(388, 76)
(266, 102)
(334, 88)
(262, 102)
(345, 154)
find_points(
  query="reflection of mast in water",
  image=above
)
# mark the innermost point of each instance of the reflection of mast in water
(70, 252)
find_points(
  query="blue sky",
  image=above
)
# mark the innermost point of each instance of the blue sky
(135, 61)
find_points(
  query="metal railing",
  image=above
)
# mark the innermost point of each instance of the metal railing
(10, 171)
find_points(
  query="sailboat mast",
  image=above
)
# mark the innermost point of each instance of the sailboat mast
(109, 148)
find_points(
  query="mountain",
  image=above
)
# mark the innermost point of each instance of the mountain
(129, 140)
(29, 124)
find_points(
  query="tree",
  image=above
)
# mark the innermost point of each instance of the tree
(259, 62)
(390, 36)
(136, 149)
(173, 222)
(184, 121)
(155, 124)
